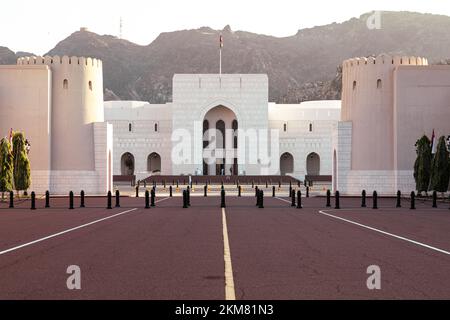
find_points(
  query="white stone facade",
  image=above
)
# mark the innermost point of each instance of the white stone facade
(303, 129)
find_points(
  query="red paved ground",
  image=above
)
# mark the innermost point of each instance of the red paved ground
(171, 253)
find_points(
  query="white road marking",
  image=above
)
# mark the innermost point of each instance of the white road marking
(283, 200)
(381, 231)
(70, 230)
(229, 281)
(387, 233)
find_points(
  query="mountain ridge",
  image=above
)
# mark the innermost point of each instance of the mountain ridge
(304, 66)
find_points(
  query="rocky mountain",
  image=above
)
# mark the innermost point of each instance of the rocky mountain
(301, 67)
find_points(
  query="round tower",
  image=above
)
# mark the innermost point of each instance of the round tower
(367, 101)
(77, 102)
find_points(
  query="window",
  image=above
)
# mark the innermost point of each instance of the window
(354, 85)
(156, 127)
(310, 127)
(66, 84)
(285, 127)
(129, 127)
(90, 85)
(379, 84)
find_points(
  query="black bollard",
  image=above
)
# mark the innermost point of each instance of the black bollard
(147, 199)
(261, 200)
(11, 199)
(298, 184)
(137, 191)
(71, 200)
(177, 183)
(328, 198)
(117, 199)
(33, 201)
(299, 199)
(267, 185)
(239, 191)
(413, 201)
(257, 198)
(399, 203)
(170, 191)
(293, 198)
(307, 192)
(152, 200)
(205, 190)
(184, 199)
(256, 191)
(434, 199)
(47, 199)
(188, 196)
(375, 200)
(363, 199)
(222, 199)
(279, 184)
(253, 184)
(164, 184)
(109, 204)
(82, 199)
(273, 191)
(336, 199)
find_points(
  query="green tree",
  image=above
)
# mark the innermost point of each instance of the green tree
(422, 166)
(440, 168)
(6, 167)
(22, 176)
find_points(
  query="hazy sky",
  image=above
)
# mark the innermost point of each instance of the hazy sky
(36, 26)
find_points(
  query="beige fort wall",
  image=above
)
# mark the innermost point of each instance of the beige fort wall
(368, 104)
(25, 105)
(75, 107)
(374, 142)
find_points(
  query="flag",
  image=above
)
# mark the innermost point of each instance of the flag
(220, 42)
(433, 143)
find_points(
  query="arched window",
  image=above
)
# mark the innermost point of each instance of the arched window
(234, 126)
(313, 164)
(285, 127)
(156, 127)
(127, 164)
(154, 163)
(286, 163)
(310, 127)
(66, 84)
(379, 84)
(354, 85)
(129, 127)
(90, 85)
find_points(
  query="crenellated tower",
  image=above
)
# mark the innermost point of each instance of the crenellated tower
(367, 101)
(77, 103)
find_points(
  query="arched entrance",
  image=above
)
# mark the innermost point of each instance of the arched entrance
(219, 147)
(313, 164)
(154, 163)
(286, 163)
(127, 164)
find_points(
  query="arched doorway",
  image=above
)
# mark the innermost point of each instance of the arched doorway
(127, 164)
(154, 163)
(219, 149)
(286, 163)
(313, 164)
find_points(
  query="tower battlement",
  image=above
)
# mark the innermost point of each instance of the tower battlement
(64, 60)
(386, 60)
